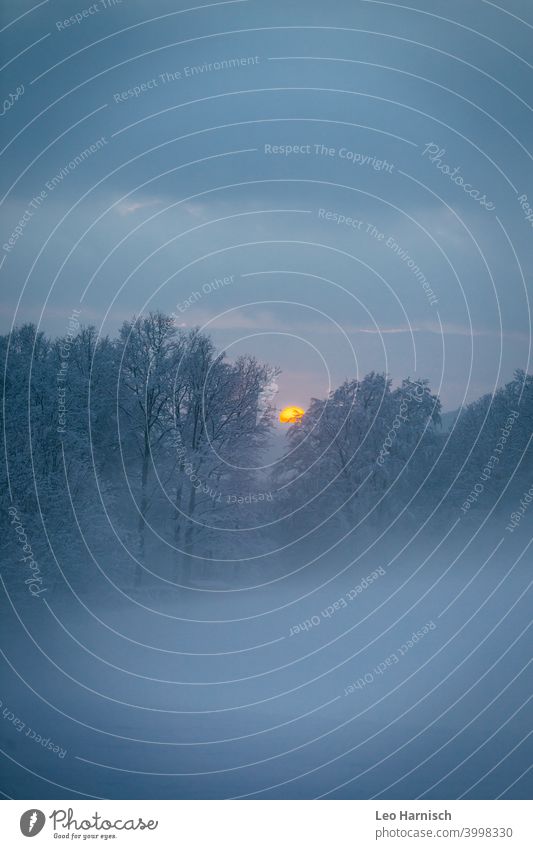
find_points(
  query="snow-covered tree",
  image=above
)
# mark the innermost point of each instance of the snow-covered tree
(350, 448)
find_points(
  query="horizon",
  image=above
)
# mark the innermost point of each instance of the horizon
(291, 396)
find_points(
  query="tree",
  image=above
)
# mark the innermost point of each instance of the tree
(148, 353)
(350, 448)
(221, 426)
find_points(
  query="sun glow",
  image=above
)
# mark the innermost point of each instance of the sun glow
(289, 415)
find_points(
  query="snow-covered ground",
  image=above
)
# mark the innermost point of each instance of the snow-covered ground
(212, 697)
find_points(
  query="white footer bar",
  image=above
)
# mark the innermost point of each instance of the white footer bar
(268, 824)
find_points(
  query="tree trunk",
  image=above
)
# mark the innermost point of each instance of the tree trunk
(142, 512)
(178, 523)
(189, 535)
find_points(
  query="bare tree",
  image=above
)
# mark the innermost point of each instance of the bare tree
(148, 354)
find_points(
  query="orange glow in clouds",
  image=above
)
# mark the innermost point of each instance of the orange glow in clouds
(289, 415)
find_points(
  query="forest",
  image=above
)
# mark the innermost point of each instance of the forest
(153, 452)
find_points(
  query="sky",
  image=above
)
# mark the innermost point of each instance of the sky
(281, 175)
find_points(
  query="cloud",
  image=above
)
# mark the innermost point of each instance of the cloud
(262, 320)
(128, 207)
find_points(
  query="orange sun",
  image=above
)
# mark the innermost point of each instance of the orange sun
(289, 415)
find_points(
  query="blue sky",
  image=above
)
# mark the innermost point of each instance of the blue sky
(182, 192)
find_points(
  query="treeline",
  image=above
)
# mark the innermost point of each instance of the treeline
(374, 453)
(109, 442)
(137, 454)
